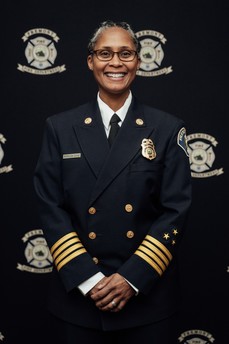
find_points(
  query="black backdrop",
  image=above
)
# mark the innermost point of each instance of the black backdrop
(194, 88)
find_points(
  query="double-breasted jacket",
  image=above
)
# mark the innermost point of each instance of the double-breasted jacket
(120, 209)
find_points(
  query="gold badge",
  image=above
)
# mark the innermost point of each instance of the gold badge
(148, 149)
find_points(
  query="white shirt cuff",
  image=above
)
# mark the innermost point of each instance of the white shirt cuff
(87, 285)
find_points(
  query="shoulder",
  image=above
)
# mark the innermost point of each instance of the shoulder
(159, 118)
(65, 120)
(70, 115)
(155, 115)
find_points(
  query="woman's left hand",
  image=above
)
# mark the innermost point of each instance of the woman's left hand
(112, 293)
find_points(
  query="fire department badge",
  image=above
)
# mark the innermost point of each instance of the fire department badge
(37, 254)
(148, 149)
(151, 53)
(196, 336)
(41, 52)
(202, 156)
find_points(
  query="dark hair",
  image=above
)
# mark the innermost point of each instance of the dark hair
(107, 24)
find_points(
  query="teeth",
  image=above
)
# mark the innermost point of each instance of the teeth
(115, 75)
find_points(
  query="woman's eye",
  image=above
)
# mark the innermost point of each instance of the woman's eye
(125, 53)
(105, 53)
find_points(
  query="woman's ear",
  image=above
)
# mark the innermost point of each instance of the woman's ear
(89, 62)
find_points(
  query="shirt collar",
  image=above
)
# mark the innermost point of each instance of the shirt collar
(107, 112)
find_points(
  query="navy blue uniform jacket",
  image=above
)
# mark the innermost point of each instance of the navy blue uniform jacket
(114, 210)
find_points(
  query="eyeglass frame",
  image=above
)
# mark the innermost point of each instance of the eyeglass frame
(94, 52)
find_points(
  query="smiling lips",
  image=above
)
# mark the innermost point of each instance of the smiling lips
(115, 75)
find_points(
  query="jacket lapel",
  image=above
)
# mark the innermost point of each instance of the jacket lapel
(92, 137)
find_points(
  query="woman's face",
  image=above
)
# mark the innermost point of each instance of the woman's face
(114, 76)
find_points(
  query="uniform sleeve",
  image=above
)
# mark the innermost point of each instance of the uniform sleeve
(156, 252)
(70, 257)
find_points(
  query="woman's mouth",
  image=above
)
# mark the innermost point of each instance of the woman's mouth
(115, 75)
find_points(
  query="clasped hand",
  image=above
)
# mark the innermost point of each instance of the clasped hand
(111, 293)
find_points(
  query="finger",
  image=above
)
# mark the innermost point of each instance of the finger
(98, 286)
(119, 306)
(114, 304)
(120, 292)
(102, 296)
(110, 306)
(101, 290)
(110, 286)
(105, 302)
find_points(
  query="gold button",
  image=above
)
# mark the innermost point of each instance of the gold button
(139, 121)
(130, 234)
(128, 208)
(92, 210)
(92, 235)
(95, 260)
(88, 120)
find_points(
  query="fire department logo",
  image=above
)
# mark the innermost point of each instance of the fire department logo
(196, 337)
(202, 156)
(37, 253)
(151, 53)
(41, 52)
(3, 169)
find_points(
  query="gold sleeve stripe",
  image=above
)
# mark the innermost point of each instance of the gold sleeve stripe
(156, 250)
(62, 240)
(149, 261)
(153, 256)
(67, 252)
(70, 257)
(65, 246)
(160, 245)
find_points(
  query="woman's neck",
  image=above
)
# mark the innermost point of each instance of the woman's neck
(114, 101)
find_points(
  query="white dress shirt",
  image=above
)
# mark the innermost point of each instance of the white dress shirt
(107, 112)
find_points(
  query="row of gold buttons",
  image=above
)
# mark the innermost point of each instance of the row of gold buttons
(138, 121)
(129, 234)
(128, 209)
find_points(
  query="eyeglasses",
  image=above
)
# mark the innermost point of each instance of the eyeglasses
(107, 55)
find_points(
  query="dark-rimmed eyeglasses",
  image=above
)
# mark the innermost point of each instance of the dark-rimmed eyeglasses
(107, 55)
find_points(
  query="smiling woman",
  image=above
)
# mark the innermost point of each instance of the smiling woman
(113, 214)
(114, 60)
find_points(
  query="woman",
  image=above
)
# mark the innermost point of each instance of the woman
(113, 213)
